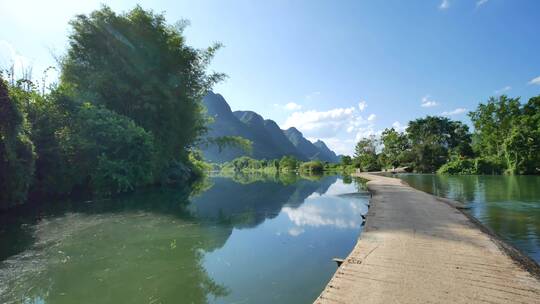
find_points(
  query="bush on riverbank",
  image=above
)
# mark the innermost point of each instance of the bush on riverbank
(312, 167)
(472, 166)
(17, 155)
(286, 164)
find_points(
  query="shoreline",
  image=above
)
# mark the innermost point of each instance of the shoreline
(415, 249)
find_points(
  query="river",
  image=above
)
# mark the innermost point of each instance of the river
(241, 239)
(508, 205)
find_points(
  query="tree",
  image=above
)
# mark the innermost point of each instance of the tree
(137, 65)
(507, 133)
(313, 166)
(493, 123)
(288, 163)
(365, 154)
(346, 160)
(17, 155)
(395, 146)
(434, 139)
(106, 152)
(522, 145)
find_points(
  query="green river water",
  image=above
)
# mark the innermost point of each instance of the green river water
(247, 239)
(508, 205)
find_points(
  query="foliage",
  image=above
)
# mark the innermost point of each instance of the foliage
(312, 167)
(288, 164)
(246, 163)
(434, 139)
(107, 152)
(395, 148)
(346, 160)
(479, 165)
(285, 165)
(506, 139)
(508, 133)
(47, 115)
(487, 165)
(458, 166)
(138, 66)
(493, 123)
(126, 113)
(17, 155)
(223, 142)
(365, 154)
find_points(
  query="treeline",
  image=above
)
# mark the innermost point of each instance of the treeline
(125, 113)
(506, 140)
(287, 164)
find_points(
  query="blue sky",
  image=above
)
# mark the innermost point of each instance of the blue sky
(337, 70)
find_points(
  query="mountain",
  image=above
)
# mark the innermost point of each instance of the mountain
(304, 146)
(326, 152)
(269, 141)
(224, 124)
(270, 131)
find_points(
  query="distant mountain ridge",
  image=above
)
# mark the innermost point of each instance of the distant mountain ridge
(269, 141)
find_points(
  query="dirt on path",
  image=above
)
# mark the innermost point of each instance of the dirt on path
(416, 248)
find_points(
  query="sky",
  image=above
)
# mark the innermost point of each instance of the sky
(336, 70)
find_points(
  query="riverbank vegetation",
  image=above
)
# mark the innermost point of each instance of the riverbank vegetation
(126, 112)
(287, 164)
(505, 140)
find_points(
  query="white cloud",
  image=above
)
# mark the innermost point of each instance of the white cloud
(296, 231)
(315, 214)
(339, 128)
(535, 81)
(9, 56)
(428, 103)
(292, 106)
(481, 2)
(454, 112)
(444, 4)
(398, 126)
(321, 123)
(502, 90)
(362, 105)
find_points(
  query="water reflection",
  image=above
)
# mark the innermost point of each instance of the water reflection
(509, 205)
(237, 239)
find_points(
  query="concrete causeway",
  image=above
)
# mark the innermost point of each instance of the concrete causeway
(415, 248)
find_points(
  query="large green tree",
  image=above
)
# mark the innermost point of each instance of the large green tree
(365, 154)
(435, 139)
(493, 123)
(507, 134)
(395, 147)
(137, 65)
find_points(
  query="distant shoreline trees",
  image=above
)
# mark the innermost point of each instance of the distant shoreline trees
(506, 140)
(287, 164)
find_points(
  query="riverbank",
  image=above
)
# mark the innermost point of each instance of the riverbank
(415, 249)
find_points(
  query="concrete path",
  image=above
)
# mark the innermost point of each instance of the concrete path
(418, 249)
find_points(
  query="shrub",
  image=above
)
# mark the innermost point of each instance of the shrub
(488, 165)
(108, 152)
(17, 155)
(472, 166)
(312, 167)
(458, 166)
